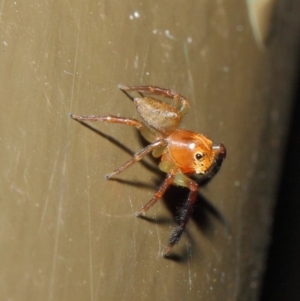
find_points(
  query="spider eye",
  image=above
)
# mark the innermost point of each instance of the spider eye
(199, 156)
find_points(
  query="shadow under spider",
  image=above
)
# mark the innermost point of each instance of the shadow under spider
(203, 214)
(118, 144)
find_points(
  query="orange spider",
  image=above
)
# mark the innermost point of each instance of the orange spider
(183, 153)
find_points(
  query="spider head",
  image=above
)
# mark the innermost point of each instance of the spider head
(192, 153)
(211, 165)
(203, 158)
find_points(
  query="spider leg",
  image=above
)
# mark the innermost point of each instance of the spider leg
(110, 119)
(137, 157)
(220, 155)
(127, 94)
(160, 192)
(186, 211)
(181, 103)
(149, 135)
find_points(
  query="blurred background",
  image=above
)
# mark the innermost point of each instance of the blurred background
(283, 263)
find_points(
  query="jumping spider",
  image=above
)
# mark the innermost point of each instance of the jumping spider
(183, 153)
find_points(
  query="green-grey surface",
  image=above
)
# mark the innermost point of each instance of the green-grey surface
(68, 234)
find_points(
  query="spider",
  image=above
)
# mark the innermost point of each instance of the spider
(183, 153)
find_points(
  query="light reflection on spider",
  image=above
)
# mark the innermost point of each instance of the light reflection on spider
(183, 153)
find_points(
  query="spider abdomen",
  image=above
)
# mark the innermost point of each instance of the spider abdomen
(158, 115)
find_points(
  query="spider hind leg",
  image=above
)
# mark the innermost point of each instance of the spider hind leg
(180, 102)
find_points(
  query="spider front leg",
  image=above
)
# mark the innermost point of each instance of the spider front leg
(180, 102)
(182, 180)
(220, 155)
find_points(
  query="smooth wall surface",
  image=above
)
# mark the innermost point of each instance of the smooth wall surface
(68, 234)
